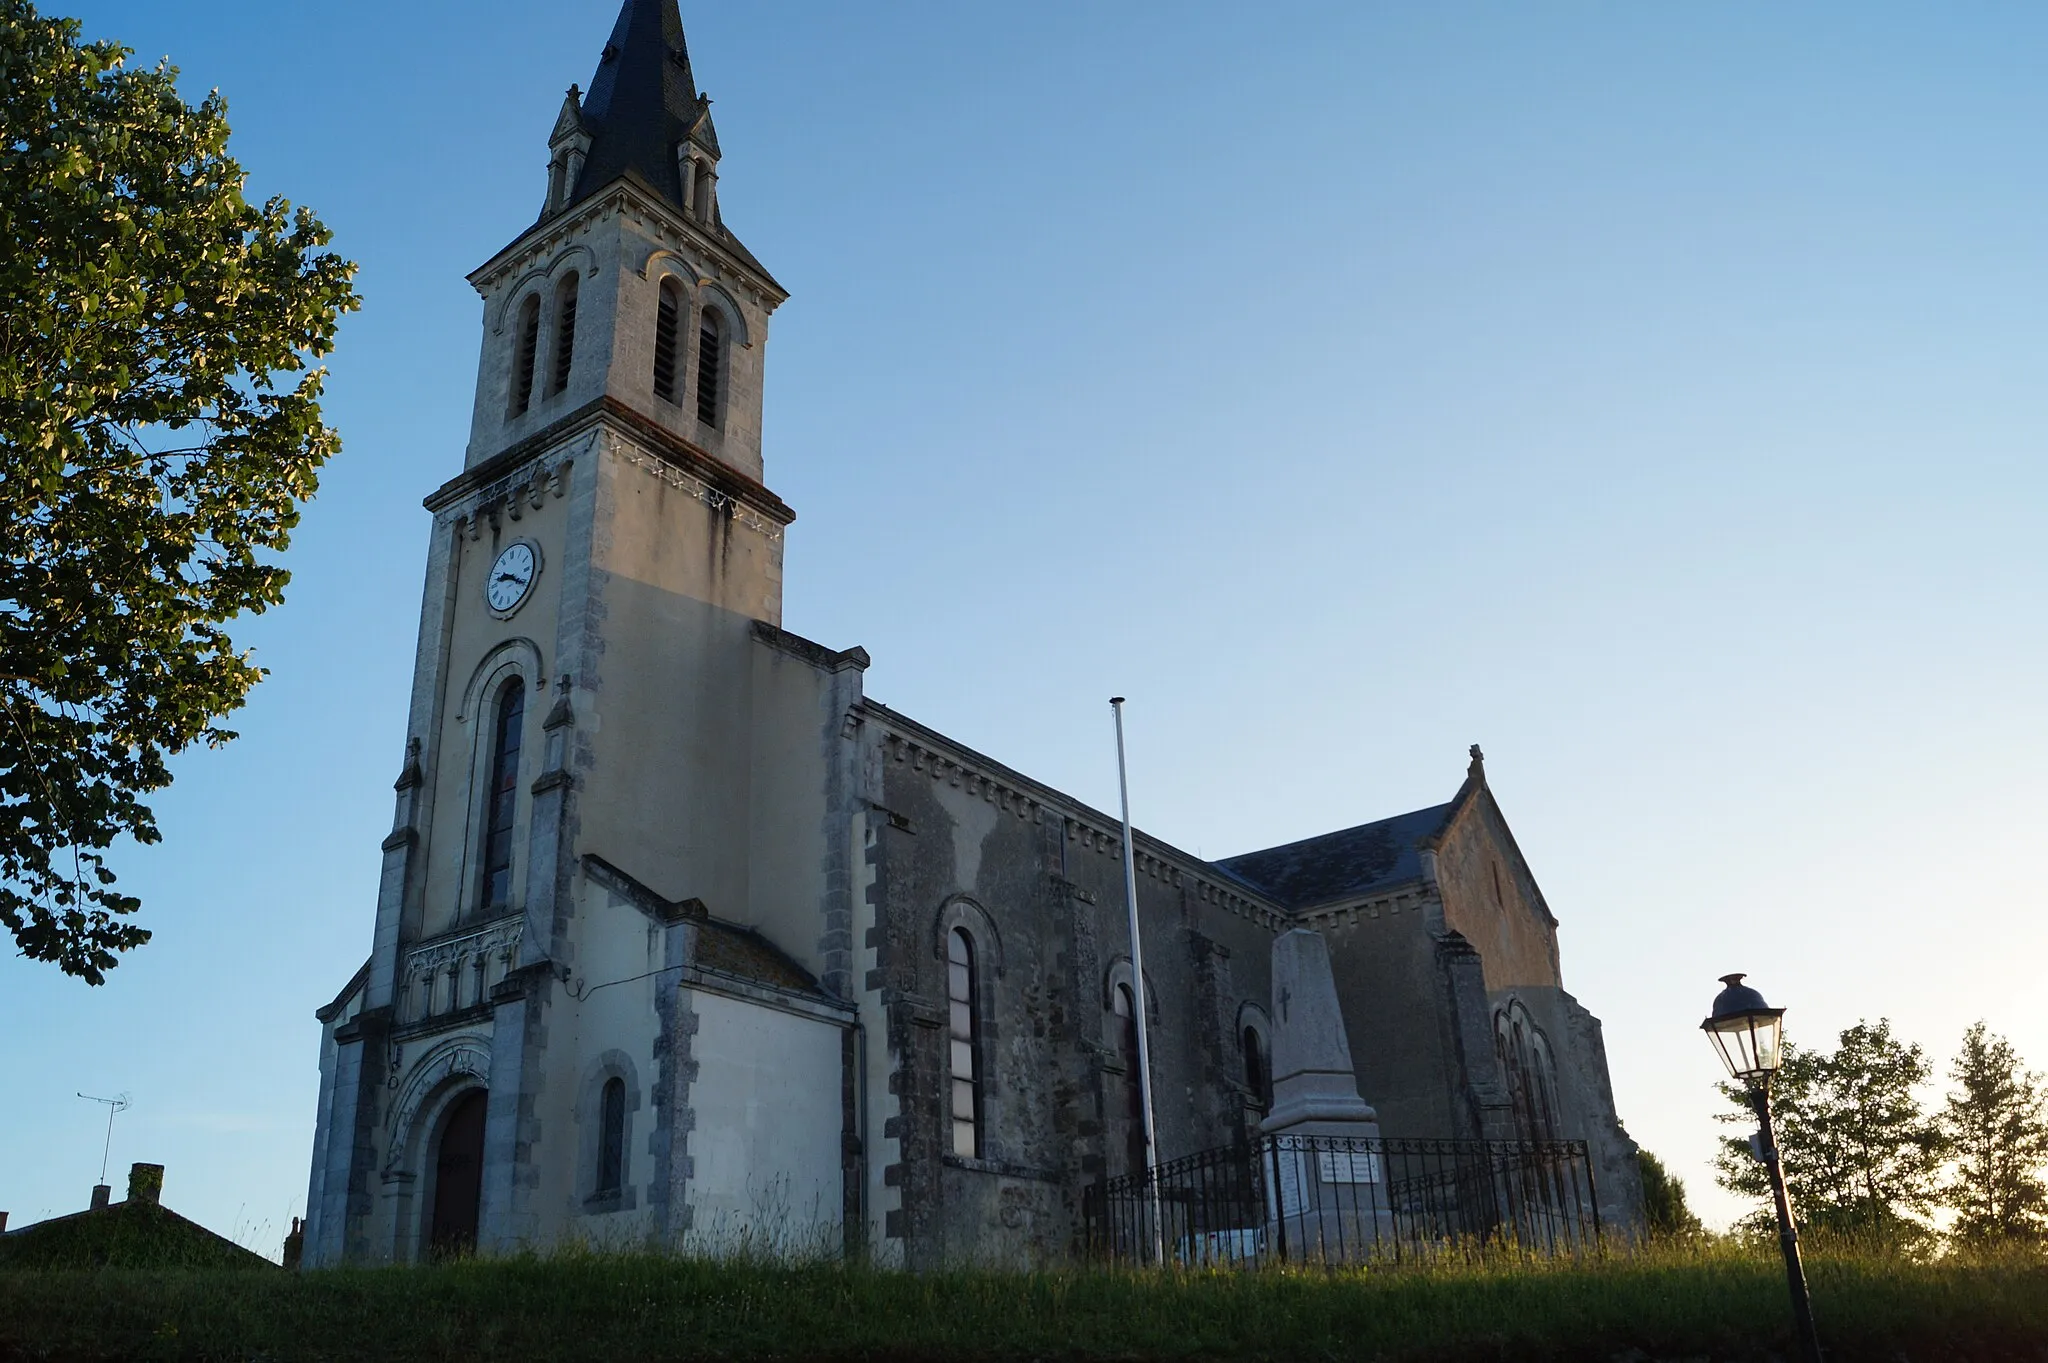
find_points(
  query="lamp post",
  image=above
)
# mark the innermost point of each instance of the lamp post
(1749, 1033)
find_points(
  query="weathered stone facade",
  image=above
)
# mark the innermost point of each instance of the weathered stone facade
(726, 953)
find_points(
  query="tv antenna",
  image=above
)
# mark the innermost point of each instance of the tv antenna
(119, 1104)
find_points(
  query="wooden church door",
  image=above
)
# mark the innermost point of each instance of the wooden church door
(458, 1176)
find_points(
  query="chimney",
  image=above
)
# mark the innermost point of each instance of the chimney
(3, 1223)
(100, 1193)
(146, 1183)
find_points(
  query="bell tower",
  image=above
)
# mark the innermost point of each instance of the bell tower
(629, 291)
(585, 683)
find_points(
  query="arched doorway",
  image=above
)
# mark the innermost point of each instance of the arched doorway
(458, 1176)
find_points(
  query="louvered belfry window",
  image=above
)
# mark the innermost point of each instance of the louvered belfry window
(565, 333)
(710, 351)
(965, 1057)
(496, 886)
(667, 324)
(523, 357)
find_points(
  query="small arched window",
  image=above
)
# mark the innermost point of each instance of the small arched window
(495, 886)
(1257, 1074)
(565, 333)
(611, 1136)
(964, 1030)
(710, 367)
(528, 343)
(668, 314)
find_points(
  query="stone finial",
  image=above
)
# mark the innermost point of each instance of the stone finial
(1315, 1089)
(1477, 771)
(409, 776)
(561, 714)
(146, 1183)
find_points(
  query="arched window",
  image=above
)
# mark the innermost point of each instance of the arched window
(495, 886)
(1123, 1006)
(1525, 1063)
(611, 1136)
(710, 367)
(1257, 1073)
(668, 316)
(523, 354)
(964, 1061)
(565, 333)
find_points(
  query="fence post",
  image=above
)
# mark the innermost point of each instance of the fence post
(1592, 1195)
(1279, 1196)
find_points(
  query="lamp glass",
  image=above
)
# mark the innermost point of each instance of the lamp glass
(1750, 1042)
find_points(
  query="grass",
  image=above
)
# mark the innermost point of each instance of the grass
(1707, 1303)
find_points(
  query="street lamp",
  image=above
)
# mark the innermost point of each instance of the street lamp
(1749, 1034)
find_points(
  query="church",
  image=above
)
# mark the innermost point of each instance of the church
(683, 938)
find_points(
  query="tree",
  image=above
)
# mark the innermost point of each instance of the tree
(1996, 1121)
(1664, 1205)
(159, 427)
(1860, 1153)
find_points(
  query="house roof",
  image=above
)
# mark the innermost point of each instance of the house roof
(1347, 864)
(130, 1234)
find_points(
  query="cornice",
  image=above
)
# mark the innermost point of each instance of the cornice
(499, 475)
(925, 750)
(1410, 896)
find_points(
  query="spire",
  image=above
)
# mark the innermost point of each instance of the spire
(643, 103)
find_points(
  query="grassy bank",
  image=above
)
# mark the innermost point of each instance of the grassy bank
(1700, 1305)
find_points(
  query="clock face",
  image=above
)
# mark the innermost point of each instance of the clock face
(512, 577)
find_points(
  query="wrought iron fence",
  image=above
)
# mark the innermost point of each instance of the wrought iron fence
(1339, 1199)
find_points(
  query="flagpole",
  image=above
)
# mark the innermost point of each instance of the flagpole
(1123, 785)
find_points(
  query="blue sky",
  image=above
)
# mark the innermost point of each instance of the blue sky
(1649, 393)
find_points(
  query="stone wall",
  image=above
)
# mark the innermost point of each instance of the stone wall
(1038, 881)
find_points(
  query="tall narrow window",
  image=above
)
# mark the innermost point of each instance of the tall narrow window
(1257, 1077)
(565, 333)
(495, 888)
(523, 354)
(667, 330)
(1134, 1092)
(710, 354)
(1532, 1084)
(965, 1058)
(611, 1136)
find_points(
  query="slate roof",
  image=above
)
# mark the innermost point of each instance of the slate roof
(642, 102)
(1343, 865)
